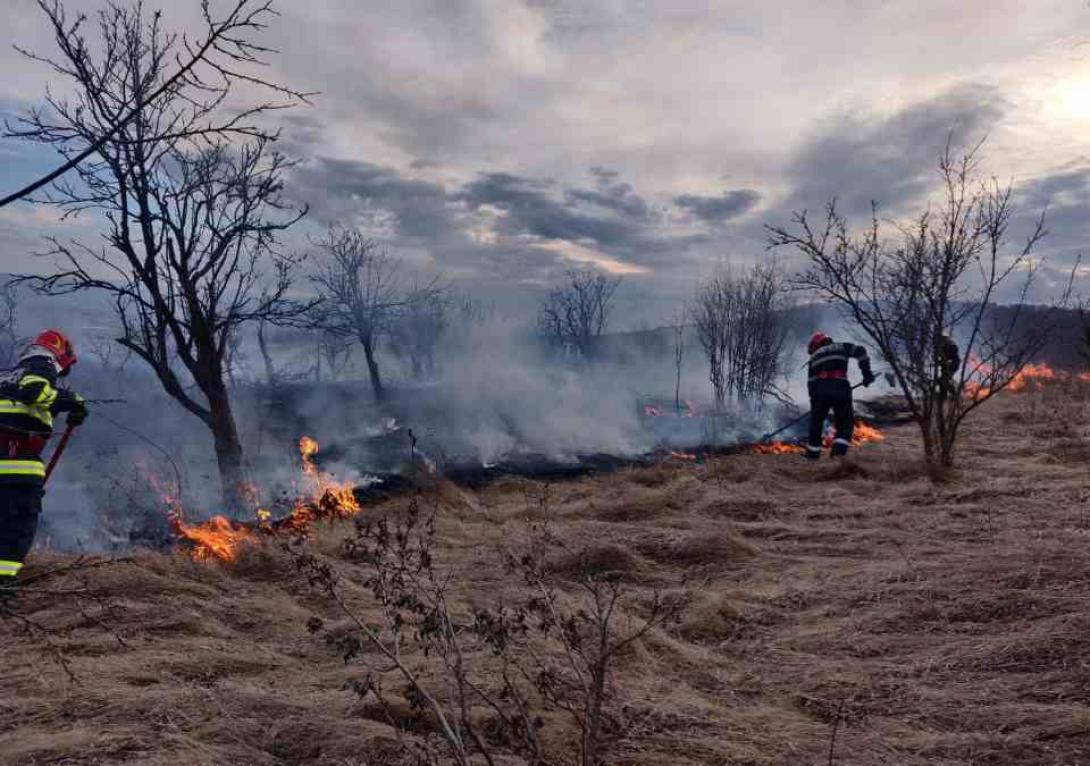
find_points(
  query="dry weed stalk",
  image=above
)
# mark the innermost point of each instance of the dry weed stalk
(56, 584)
(490, 670)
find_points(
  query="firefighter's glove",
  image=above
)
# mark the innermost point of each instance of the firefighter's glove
(78, 413)
(868, 379)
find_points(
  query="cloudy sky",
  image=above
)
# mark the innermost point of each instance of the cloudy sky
(501, 141)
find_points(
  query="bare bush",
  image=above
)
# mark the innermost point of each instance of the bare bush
(494, 668)
(421, 325)
(940, 277)
(741, 326)
(575, 314)
(360, 288)
(413, 595)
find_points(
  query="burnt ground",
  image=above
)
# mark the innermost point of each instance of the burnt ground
(921, 623)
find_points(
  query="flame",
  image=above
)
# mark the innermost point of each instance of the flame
(865, 432)
(862, 432)
(778, 448)
(220, 538)
(1030, 377)
(684, 456)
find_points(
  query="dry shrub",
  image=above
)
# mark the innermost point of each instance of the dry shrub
(656, 476)
(843, 468)
(712, 618)
(1069, 451)
(399, 713)
(595, 560)
(632, 507)
(730, 469)
(261, 561)
(717, 548)
(740, 508)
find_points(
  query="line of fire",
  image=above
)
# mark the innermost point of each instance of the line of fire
(318, 495)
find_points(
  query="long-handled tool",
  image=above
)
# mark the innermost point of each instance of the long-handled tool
(799, 419)
(58, 451)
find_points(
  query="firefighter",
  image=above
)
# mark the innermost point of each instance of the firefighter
(829, 389)
(950, 362)
(29, 399)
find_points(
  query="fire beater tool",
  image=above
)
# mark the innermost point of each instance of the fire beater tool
(797, 420)
(58, 451)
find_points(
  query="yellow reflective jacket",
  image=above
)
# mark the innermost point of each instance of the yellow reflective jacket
(29, 399)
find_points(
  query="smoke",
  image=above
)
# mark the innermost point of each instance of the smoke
(495, 394)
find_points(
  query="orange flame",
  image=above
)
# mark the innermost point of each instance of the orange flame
(862, 432)
(778, 448)
(683, 456)
(220, 537)
(1030, 377)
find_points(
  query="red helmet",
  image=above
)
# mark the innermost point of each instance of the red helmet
(54, 344)
(817, 340)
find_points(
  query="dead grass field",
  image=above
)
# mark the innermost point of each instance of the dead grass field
(926, 624)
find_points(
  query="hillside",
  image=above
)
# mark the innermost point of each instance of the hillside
(848, 613)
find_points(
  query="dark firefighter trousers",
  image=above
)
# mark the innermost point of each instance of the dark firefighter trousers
(826, 395)
(20, 505)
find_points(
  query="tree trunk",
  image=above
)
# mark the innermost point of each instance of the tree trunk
(372, 369)
(228, 446)
(592, 730)
(266, 357)
(928, 442)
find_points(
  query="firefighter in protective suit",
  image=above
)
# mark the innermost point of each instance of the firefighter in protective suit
(830, 390)
(29, 400)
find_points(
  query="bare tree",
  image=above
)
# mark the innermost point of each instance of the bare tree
(191, 201)
(334, 351)
(421, 323)
(741, 326)
(219, 50)
(575, 313)
(677, 330)
(939, 280)
(1083, 349)
(9, 314)
(359, 285)
(272, 375)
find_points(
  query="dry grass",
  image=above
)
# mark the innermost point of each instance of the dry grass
(927, 623)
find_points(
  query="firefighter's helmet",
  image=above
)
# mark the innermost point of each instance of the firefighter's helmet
(817, 340)
(54, 345)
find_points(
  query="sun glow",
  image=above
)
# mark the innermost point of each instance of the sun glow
(1069, 99)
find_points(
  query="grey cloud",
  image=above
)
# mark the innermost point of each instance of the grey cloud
(531, 209)
(446, 222)
(1064, 197)
(336, 187)
(716, 210)
(893, 160)
(612, 194)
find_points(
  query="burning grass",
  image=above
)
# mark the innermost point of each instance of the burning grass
(221, 538)
(926, 624)
(862, 433)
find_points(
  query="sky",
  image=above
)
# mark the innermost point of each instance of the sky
(499, 142)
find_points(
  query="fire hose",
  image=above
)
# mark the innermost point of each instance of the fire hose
(794, 422)
(58, 451)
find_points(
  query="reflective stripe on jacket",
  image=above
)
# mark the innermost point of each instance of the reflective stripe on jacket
(28, 401)
(35, 405)
(22, 468)
(830, 361)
